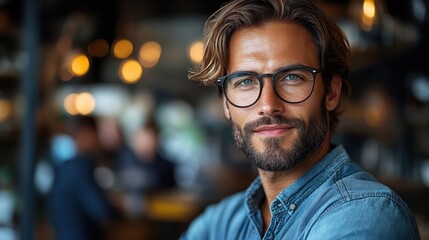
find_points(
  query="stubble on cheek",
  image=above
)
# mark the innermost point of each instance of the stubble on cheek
(237, 133)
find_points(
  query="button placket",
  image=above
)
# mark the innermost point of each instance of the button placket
(277, 207)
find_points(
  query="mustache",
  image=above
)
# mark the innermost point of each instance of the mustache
(275, 120)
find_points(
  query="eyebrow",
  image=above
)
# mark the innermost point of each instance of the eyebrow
(276, 70)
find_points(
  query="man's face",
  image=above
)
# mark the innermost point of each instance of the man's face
(276, 135)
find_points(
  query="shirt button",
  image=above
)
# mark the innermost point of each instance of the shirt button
(292, 207)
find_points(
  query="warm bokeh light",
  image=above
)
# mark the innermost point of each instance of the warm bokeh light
(5, 109)
(130, 71)
(196, 51)
(85, 103)
(378, 109)
(369, 8)
(368, 14)
(69, 104)
(149, 54)
(373, 117)
(122, 48)
(79, 65)
(98, 48)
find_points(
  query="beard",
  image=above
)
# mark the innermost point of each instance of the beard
(274, 157)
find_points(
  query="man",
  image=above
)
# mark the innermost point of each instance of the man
(282, 67)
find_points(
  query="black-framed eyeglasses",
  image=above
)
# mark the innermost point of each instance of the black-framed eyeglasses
(292, 84)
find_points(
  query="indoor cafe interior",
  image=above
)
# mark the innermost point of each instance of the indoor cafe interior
(113, 76)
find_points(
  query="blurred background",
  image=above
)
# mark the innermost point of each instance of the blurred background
(160, 149)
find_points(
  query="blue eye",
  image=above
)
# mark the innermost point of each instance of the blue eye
(246, 82)
(292, 77)
(243, 82)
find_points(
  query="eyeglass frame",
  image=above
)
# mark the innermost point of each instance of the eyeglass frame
(221, 82)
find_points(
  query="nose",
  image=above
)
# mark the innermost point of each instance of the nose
(269, 103)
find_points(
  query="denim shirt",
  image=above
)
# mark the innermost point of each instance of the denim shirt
(335, 199)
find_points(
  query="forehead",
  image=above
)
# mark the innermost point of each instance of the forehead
(271, 46)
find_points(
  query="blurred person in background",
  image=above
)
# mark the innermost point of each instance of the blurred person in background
(282, 68)
(115, 147)
(79, 206)
(147, 172)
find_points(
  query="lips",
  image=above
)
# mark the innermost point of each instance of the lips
(272, 130)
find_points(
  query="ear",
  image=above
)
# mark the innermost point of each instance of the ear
(334, 93)
(226, 109)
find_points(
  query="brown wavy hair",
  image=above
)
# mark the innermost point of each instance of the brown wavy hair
(331, 43)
